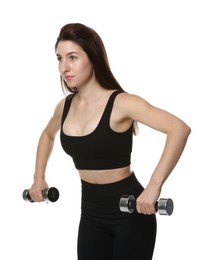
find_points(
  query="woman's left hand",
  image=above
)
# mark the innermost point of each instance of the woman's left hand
(145, 203)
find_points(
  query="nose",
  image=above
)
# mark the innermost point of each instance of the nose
(64, 66)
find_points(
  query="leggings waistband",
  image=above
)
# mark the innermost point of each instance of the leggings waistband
(110, 193)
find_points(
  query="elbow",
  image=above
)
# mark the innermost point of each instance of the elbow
(184, 129)
(180, 128)
(187, 129)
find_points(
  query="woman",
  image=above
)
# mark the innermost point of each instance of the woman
(96, 122)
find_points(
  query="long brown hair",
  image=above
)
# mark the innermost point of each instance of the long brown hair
(93, 45)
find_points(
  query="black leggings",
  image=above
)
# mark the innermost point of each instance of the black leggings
(106, 233)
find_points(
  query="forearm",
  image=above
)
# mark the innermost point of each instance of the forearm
(174, 146)
(44, 150)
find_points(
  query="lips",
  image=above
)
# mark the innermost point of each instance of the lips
(68, 78)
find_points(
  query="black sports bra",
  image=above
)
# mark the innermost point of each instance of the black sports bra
(103, 148)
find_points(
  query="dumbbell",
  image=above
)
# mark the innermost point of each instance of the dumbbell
(127, 203)
(49, 195)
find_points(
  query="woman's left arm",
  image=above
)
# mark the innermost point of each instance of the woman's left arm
(177, 132)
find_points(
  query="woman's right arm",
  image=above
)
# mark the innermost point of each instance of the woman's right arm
(44, 149)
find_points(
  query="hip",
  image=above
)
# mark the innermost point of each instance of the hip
(102, 200)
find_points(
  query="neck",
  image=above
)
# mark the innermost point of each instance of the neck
(90, 92)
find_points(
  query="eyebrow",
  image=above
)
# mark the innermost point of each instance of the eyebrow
(69, 53)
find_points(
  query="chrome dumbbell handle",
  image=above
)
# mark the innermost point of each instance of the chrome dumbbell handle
(127, 203)
(49, 195)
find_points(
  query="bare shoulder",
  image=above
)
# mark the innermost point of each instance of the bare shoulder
(54, 123)
(130, 103)
(59, 108)
(124, 96)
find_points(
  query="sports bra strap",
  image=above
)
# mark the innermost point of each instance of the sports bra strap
(105, 119)
(67, 104)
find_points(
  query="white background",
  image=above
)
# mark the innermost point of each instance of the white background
(159, 50)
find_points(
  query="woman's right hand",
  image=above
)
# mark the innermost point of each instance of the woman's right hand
(36, 189)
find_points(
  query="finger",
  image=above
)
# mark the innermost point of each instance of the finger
(146, 210)
(36, 195)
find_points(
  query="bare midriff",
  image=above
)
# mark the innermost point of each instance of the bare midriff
(105, 176)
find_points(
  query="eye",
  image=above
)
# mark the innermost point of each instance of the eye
(59, 58)
(73, 58)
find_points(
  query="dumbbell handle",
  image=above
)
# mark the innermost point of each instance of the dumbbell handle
(127, 203)
(49, 195)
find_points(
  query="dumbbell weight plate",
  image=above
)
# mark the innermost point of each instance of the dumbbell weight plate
(127, 203)
(26, 196)
(165, 206)
(51, 194)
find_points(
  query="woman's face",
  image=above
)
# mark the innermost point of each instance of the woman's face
(74, 64)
